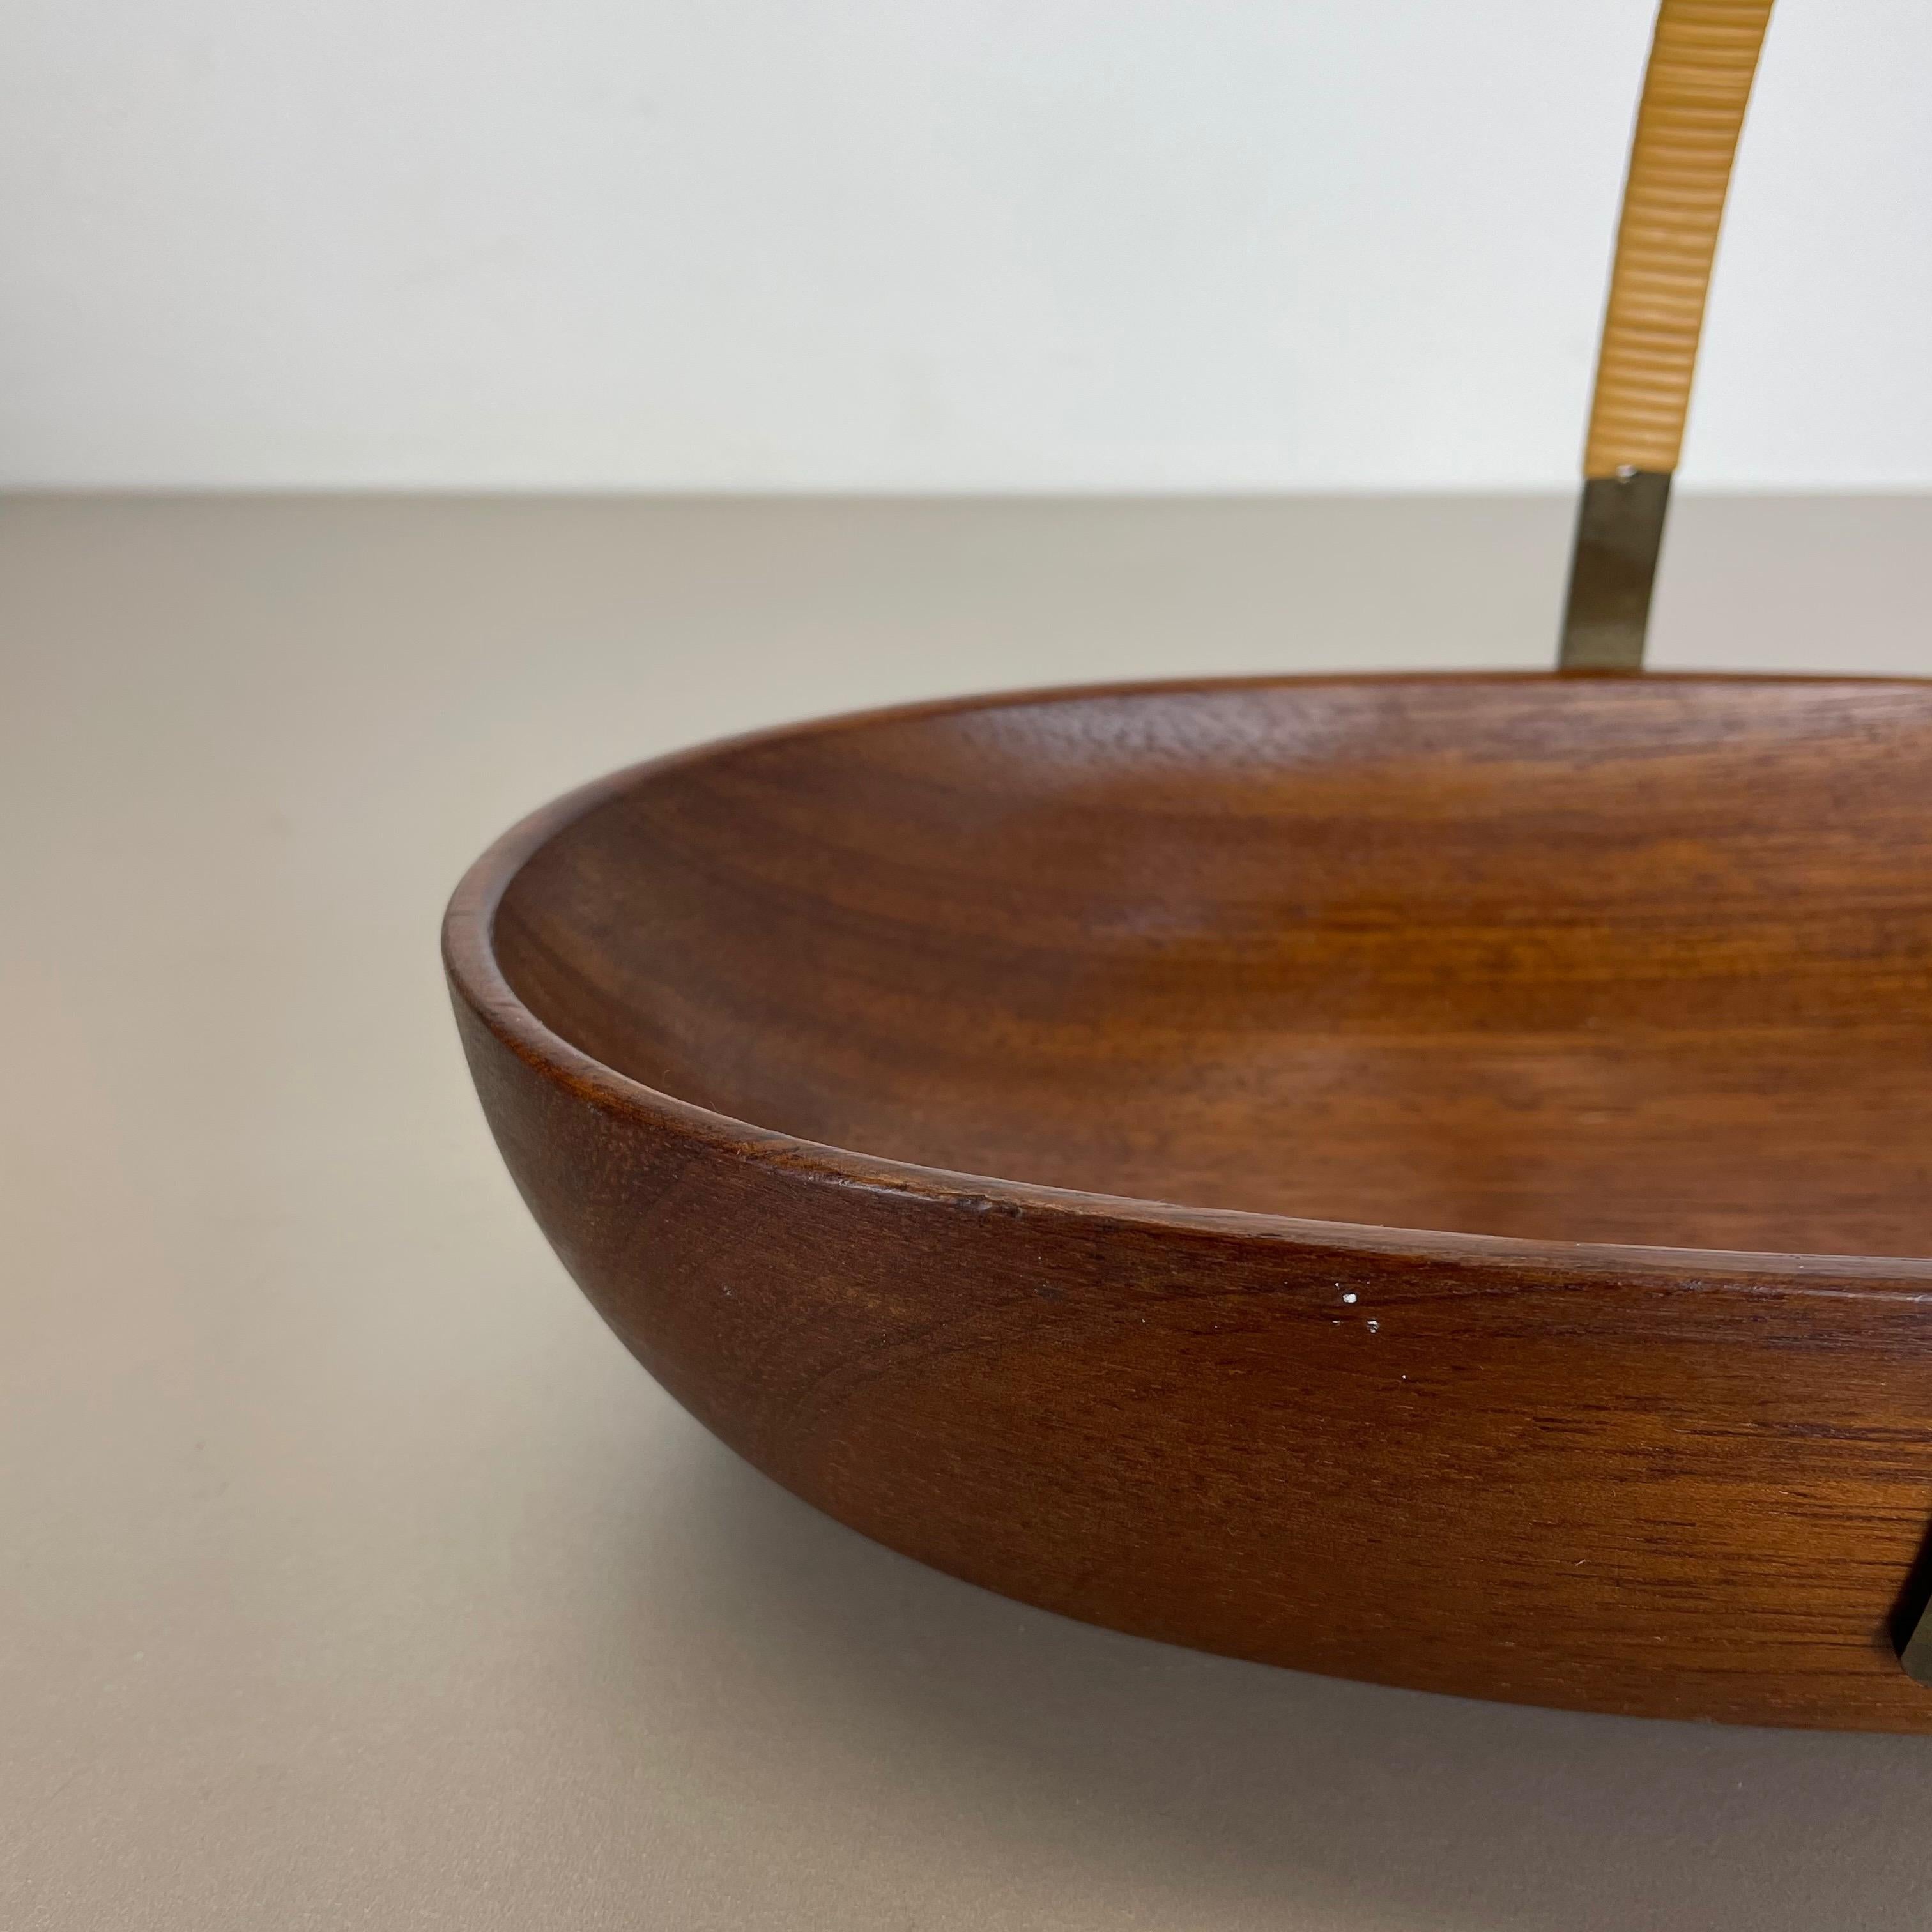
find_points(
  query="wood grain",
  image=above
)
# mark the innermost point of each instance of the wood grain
(1419, 1179)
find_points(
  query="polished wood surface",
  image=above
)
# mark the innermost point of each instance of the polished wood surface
(1424, 1179)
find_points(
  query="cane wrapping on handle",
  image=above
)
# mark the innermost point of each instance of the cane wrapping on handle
(1703, 59)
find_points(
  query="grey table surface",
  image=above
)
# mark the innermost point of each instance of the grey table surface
(351, 1574)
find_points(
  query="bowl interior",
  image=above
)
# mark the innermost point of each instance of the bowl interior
(1616, 960)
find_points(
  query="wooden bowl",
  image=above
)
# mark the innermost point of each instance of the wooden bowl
(1422, 1179)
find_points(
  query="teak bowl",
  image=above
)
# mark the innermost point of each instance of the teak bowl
(1421, 1179)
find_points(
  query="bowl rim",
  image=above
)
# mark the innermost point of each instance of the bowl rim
(477, 979)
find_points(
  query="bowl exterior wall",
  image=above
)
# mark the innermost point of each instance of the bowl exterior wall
(1628, 1480)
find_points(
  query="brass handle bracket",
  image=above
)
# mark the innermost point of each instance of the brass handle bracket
(1619, 535)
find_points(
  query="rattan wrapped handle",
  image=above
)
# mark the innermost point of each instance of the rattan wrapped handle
(1694, 95)
(1702, 63)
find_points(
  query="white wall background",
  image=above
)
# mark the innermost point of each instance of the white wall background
(920, 244)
